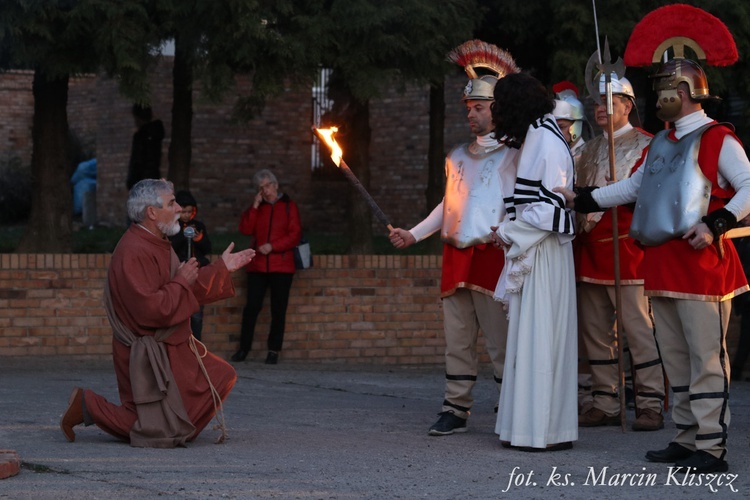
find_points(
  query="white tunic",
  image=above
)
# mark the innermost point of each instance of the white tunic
(538, 402)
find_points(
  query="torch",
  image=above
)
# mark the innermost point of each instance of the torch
(326, 135)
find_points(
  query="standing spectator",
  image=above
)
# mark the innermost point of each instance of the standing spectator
(478, 175)
(595, 272)
(538, 403)
(145, 152)
(273, 223)
(199, 246)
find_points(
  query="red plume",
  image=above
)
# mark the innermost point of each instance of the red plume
(565, 85)
(680, 20)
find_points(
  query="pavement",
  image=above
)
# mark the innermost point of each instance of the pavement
(332, 432)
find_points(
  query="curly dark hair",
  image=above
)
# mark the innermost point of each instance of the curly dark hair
(520, 100)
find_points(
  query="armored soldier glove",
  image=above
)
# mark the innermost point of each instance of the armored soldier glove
(720, 221)
(584, 202)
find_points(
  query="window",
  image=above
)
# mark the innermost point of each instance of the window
(321, 104)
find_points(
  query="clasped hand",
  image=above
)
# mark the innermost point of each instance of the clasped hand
(568, 194)
(495, 238)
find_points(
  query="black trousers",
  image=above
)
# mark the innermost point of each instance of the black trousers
(257, 284)
(196, 324)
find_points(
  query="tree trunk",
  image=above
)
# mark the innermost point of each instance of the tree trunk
(360, 222)
(50, 226)
(436, 158)
(180, 145)
(352, 117)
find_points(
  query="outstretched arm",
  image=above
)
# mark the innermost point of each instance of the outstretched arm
(236, 260)
(579, 199)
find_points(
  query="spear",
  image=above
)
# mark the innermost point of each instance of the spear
(607, 67)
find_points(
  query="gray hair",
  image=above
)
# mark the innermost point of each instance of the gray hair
(147, 193)
(264, 174)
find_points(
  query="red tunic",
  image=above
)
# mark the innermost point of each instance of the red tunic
(477, 268)
(674, 269)
(146, 298)
(594, 252)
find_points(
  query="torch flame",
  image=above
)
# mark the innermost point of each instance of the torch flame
(327, 135)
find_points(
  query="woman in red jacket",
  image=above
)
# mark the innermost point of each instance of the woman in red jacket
(273, 223)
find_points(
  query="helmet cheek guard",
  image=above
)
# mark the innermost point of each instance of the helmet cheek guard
(575, 130)
(669, 104)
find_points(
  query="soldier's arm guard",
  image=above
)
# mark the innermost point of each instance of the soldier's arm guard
(720, 221)
(584, 202)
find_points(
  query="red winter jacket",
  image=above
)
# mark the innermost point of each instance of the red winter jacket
(275, 223)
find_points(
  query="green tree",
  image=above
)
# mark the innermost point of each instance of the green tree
(57, 40)
(522, 29)
(371, 45)
(215, 41)
(554, 40)
(730, 82)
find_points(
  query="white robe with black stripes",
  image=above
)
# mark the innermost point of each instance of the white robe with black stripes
(538, 402)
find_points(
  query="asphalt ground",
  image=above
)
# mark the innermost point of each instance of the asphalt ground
(332, 432)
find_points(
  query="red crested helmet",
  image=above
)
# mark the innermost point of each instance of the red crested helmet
(485, 64)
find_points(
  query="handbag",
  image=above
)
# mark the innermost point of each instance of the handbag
(302, 255)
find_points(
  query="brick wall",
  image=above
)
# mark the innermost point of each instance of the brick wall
(17, 104)
(373, 309)
(345, 309)
(226, 154)
(83, 111)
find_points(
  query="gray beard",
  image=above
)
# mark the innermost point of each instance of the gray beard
(169, 230)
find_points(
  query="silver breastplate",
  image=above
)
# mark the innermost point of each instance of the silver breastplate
(475, 186)
(674, 193)
(592, 168)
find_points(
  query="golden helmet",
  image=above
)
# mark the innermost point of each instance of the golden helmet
(675, 71)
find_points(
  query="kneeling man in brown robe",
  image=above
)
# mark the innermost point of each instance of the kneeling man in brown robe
(170, 385)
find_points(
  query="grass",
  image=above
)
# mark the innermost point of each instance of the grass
(104, 240)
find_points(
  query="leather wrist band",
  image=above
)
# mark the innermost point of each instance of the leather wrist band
(584, 202)
(720, 221)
